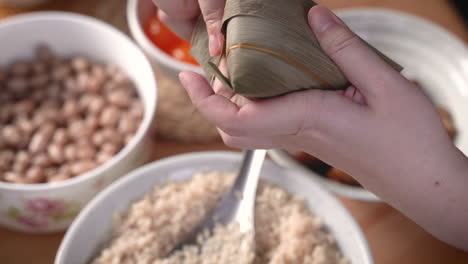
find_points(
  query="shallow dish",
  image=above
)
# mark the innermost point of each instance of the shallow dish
(92, 228)
(431, 55)
(52, 207)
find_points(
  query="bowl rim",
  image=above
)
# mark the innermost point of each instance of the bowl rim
(282, 158)
(409, 17)
(154, 51)
(190, 156)
(149, 109)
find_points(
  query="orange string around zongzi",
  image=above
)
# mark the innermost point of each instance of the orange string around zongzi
(284, 57)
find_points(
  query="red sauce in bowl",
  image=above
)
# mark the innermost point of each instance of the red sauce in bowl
(168, 41)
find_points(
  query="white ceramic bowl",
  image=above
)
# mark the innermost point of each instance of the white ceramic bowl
(138, 13)
(51, 207)
(429, 54)
(93, 226)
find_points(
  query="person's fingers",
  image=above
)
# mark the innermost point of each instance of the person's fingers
(249, 142)
(314, 109)
(181, 9)
(212, 11)
(183, 28)
(218, 86)
(361, 66)
(353, 94)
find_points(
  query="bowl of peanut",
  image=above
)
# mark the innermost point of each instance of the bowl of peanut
(77, 104)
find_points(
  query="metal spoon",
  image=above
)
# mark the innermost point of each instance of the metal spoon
(238, 205)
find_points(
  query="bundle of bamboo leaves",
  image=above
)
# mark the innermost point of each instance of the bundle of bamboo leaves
(269, 50)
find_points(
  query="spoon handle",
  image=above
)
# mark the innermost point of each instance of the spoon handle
(246, 186)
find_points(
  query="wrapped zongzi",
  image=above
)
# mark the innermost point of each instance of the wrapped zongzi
(270, 50)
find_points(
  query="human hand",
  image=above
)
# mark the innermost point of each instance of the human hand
(383, 130)
(182, 15)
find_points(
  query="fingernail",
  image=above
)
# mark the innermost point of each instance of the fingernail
(321, 19)
(214, 45)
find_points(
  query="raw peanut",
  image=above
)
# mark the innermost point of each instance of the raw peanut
(70, 84)
(82, 80)
(50, 172)
(112, 135)
(137, 110)
(59, 177)
(23, 157)
(39, 119)
(70, 109)
(35, 175)
(83, 102)
(79, 64)
(17, 85)
(38, 95)
(120, 77)
(48, 114)
(45, 54)
(108, 86)
(128, 138)
(2, 75)
(120, 98)
(60, 137)
(85, 152)
(39, 80)
(6, 158)
(103, 157)
(6, 112)
(112, 69)
(26, 126)
(128, 124)
(109, 116)
(78, 128)
(41, 138)
(12, 135)
(94, 84)
(96, 104)
(98, 71)
(51, 105)
(98, 138)
(41, 160)
(54, 91)
(92, 122)
(83, 141)
(14, 177)
(110, 148)
(60, 72)
(5, 96)
(70, 152)
(81, 167)
(19, 69)
(19, 167)
(24, 107)
(56, 153)
(39, 68)
(2, 144)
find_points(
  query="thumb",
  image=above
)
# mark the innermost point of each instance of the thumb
(359, 63)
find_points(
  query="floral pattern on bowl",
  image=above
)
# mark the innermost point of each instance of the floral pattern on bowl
(40, 213)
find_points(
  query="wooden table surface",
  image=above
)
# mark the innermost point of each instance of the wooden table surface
(392, 237)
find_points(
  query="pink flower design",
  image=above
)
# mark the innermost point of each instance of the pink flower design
(45, 206)
(34, 221)
(41, 213)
